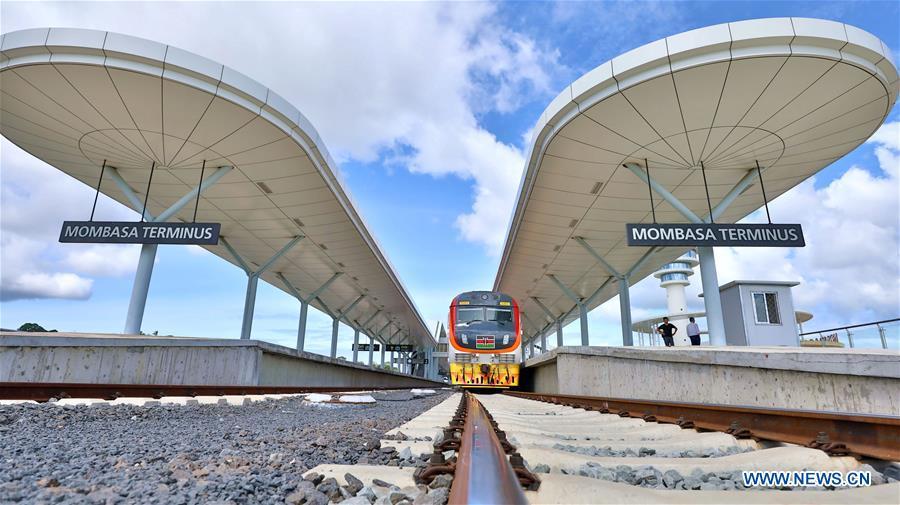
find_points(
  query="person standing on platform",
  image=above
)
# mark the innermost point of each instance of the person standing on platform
(668, 331)
(693, 332)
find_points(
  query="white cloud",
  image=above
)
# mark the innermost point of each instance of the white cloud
(849, 268)
(102, 260)
(34, 200)
(41, 285)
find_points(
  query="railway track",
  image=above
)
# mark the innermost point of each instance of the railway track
(513, 448)
(531, 448)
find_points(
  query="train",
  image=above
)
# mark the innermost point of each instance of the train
(485, 337)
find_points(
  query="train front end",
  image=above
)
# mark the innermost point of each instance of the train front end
(485, 337)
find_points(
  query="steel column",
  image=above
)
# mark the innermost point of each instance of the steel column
(141, 286)
(334, 336)
(252, 280)
(625, 311)
(553, 318)
(249, 305)
(301, 325)
(583, 319)
(356, 335)
(355, 344)
(579, 302)
(715, 322)
(371, 349)
(624, 298)
(139, 289)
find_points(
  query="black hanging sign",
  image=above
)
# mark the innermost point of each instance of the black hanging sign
(709, 235)
(114, 232)
(365, 347)
(399, 348)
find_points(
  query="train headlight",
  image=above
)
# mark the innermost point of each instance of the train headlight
(465, 339)
(505, 339)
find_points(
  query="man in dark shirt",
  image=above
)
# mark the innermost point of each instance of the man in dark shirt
(667, 330)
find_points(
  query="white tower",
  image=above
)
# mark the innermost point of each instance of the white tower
(674, 277)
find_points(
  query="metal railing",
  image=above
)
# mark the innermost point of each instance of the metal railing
(877, 334)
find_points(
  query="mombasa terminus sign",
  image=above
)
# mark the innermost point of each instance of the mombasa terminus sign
(702, 234)
(110, 232)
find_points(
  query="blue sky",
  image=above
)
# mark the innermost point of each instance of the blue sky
(428, 108)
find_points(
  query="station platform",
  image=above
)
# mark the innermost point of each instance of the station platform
(119, 359)
(865, 381)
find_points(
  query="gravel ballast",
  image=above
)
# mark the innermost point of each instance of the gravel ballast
(254, 453)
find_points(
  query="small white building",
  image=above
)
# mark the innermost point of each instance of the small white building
(759, 313)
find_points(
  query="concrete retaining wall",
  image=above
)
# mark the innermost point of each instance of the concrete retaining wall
(117, 359)
(860, 381)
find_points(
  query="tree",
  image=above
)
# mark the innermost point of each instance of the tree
(30, 327)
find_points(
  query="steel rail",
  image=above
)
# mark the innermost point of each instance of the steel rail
(484, 474)
(875, 436)
(44, 391)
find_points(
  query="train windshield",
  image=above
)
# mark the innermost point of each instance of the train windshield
(466, 315)
(501, 316)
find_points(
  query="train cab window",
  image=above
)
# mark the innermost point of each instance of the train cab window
(502, 316)
(466, 315)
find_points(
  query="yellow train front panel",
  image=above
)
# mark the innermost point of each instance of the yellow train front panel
(497, 375)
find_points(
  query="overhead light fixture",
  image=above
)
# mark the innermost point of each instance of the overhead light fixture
(338, 263)
(324, 247)
(573, 223)
(557, 248)
(596, 188)
(265, 187)
(299, 222)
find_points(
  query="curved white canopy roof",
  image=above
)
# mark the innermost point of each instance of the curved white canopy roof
(74, 98)
(795, 94)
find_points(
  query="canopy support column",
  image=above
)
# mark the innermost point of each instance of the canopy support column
(383, 341)
(625, 310)
(253, 279)
(356, 337)
(579, 302)
(355, 344)
(552, 318)
(144, 272)
(342, 314)
(624, 298)
(139, 289)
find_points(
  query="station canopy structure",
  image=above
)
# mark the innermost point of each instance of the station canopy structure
(78, 99)
(792, 94)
